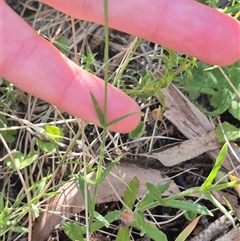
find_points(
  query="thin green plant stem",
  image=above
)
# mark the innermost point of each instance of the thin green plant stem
(102, 150)
(106, 57)
(85, 183)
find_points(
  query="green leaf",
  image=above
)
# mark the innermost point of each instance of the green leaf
(35, 210)
(30, 158)
(154, 191)
(187, 206)
(210, 82)
(110, 217)
(18, 158)
(8, 135)
(101, 117)
(234, 109)
(232, 133)
(120, 118)
(101, 218)
(123, 234)
(54, 133)
(148, 199)
(40, 187)
(190, 216)
(46, 146)
(73, 231)
(147, 228)
(138, 131)
(232, 9)
(221, 157)
(62, 44)
(81, 181)
(144, 95)
(154, 233)
(130, 195)
(1, 202)
(139, 223)
(220, 101)
(108, 169)
(18, 229)
(217, 204)
(20, 161)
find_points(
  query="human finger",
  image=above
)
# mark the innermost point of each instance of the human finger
(184, 25)
(35, 66)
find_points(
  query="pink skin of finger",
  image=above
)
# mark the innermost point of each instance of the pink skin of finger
(182, 25)
(35, 66)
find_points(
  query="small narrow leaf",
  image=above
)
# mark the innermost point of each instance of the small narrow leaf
(18, 229)
(138, 131)
(101, 117)
(154, 191)
(108, 169)
(147, 228)
(217, 204)
(139, 223)
(130, 195)
(154, 233)
(73, 231)
(40, 187)
(101, 218)
(217, 166)
(123, 234)
(81, 181)
(187, 206)
(148, 199)
(35, 210)
(1, 202)
(110, 217)
(121, 118)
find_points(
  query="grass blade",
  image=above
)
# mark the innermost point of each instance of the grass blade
(216, 167)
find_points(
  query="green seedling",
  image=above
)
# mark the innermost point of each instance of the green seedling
(8, 135)
(47, 139)
(20, 161)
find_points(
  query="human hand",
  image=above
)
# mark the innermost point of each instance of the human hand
(35, 66)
